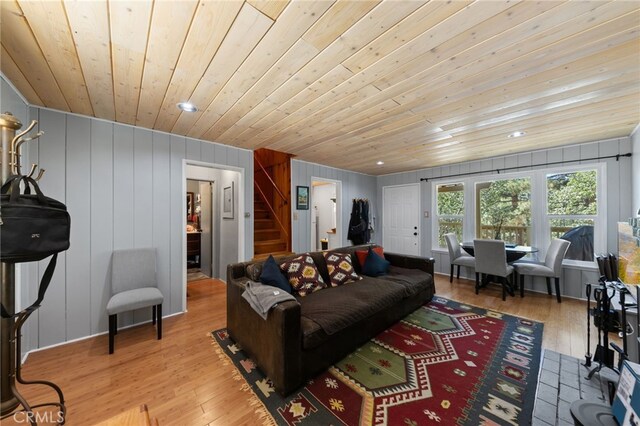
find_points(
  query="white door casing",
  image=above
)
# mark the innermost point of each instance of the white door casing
(401, 219)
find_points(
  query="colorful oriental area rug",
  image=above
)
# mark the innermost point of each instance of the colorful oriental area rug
(446, 363)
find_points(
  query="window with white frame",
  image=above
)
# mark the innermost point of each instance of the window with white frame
(449, 211)
(572, 211)
(527, 208)
(503, 210)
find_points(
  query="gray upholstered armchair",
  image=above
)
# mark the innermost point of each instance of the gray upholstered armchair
(551, 268)
(133, 286)
(457, 256)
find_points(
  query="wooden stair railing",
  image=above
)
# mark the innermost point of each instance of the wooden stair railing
(284, 198)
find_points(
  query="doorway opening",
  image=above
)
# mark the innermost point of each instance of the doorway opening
(200, 226)
(326, 218)
(214, 223)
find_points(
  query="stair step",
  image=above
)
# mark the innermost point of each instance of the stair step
(269, 246)
(261, 214)
(264, 224)
(266, 234)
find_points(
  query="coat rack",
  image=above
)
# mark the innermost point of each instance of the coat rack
(10, 332)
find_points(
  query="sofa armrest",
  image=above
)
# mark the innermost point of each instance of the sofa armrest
(410, 262)
(274, 344)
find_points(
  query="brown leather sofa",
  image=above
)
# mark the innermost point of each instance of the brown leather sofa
(291, 346)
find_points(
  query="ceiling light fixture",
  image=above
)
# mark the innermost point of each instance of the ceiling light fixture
(187, 107)
(517, 134)
(446, 144)
(380, 163)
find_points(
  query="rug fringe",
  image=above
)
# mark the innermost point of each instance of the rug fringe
(259, 409)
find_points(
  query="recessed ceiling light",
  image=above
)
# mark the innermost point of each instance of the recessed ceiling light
(446, 144)
(380, 163)
(517, 134)
(187, 107)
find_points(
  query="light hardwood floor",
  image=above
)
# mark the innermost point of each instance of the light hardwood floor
(182, 381)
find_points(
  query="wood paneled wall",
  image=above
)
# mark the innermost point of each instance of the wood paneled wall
(354, 185)
(123, 188)
(618, 187)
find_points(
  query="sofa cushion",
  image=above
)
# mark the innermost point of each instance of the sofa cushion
(303, 275)
(374, 265)
(362, 254)
(413, 280)
(273, 276)
(254, 271)
(336, 308)
(340, 269)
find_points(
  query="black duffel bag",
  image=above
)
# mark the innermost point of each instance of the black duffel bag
(32, 227)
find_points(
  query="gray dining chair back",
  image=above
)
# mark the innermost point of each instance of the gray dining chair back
(491, 260)
(456, 255)
(491, 257)
(453, 245)
(134, 285)
(555, 255)
(551, 268)
(132, 269)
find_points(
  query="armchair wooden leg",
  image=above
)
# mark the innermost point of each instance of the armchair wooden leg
(557, 279)
(153, 315)
(159, 318)
(113, 327)
(458, 276)
(477, 282)
(521, 285)
(451, 276)
(503, 281)
(548, 285)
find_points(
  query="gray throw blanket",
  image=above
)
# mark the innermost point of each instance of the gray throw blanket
(263, 297)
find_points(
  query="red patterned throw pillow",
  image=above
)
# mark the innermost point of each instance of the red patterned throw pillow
(340, 269)
(303, 275)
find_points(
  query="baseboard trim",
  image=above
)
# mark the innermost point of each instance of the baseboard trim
(79, 339)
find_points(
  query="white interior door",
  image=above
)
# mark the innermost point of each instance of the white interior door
(401, 219)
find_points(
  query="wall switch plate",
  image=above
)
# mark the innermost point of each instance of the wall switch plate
(247, 214)
(295, 215)
(426, 214)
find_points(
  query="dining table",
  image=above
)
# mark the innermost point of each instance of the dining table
(514, 251)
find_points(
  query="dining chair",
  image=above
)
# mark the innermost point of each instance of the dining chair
(491, 260)
(457, 256)
(133, 286)
(551, 268)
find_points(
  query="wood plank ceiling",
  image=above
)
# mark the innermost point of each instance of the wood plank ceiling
(341, 83)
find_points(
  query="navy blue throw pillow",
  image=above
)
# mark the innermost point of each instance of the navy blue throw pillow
(375, 265)
(272, 275)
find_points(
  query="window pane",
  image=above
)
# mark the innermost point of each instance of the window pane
(504, 210)
(572, 193)
(451, 199)
(579, 232)
(447, 225)
(450, 210)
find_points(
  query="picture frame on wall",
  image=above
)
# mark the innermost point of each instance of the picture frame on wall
(302, 198)
(227, 202)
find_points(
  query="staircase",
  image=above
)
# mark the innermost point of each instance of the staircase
(267, 235)
(271, 233)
